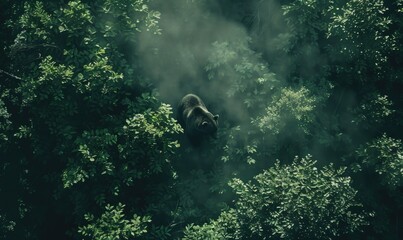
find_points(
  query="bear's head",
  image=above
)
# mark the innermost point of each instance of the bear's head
(202, 122)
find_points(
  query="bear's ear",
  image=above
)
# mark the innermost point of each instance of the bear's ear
(215, 117)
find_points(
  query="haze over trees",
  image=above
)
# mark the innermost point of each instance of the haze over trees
(309, 139)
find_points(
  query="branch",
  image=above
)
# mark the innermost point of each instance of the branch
(10, 75)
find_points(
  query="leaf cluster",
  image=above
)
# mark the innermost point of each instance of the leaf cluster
(297, 201)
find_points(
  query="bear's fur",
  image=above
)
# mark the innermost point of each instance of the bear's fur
(196, 120)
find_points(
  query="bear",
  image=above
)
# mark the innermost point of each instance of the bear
(198, 123)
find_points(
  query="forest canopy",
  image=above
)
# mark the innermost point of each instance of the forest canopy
(309, 141)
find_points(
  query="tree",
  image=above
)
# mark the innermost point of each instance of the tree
(83, 124)
(298, 201)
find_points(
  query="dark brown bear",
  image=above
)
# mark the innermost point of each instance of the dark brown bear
(196, 120)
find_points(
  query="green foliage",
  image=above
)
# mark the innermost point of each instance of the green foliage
(129, 14)
(150, 130)
(242, 71)
(37, 23)
(6, 226)
(112, 225)
(93, 151)
(385, 156)
(363, 29)
(374, 110)
(350, 25)
(288, 105)
(298, 201)
(307, 20)
(4, 121)
(81, 111)
(225, 227)
(84, 131)
(69, 16)
(160, 232)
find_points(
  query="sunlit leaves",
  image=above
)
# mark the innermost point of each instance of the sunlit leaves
(363, 29)
(400, 6)
(150, 130)
(4, 122)
(385, 156)
(374, 110)
(114, 225)
(288, 105)
(93, 157)
(35, 21)
(144, 137)
(358, 17)
(130, 15)
(53, 80)
(75, 18)
(73, 175)
(297, 201)
(306, 20)
(76, 97)
(301, 201)
(99, 82)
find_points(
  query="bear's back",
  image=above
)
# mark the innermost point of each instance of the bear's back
(186, 105)
(191, 101)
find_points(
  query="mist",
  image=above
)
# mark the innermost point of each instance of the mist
(261, 64)
(205, 49)
(176, 60)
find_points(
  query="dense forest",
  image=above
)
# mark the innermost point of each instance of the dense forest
(309, 140)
